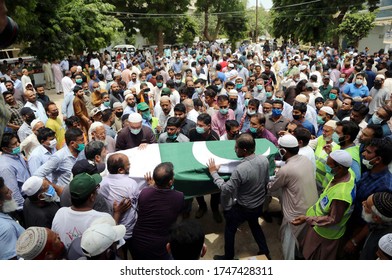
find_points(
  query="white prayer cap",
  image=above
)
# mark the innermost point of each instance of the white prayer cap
(32, 185)
(385, 244)
(331, 123)
(35, 122)
(342, 157)
(233, 92)
(231, 65)
(135, 118)
(288, 141)
(301, 98)
(327, 110)
(302, 67)
(380, 76)
(116, 105)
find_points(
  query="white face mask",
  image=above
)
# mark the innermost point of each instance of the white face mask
(52, 143)
(367, 163)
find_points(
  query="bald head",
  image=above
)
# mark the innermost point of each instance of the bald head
(118, 164)
(30, 96)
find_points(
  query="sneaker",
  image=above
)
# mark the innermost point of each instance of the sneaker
(200, 212)
(217, 217)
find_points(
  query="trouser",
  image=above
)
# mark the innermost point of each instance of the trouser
(234, 218)
(214, 202)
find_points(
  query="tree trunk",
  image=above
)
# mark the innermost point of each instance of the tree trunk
(206, 22)
(160, 42)
(337, 21)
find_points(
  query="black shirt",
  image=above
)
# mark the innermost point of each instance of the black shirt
(194, 136)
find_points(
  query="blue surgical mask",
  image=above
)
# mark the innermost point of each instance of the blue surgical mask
(198, 90)
(79, 81)
(80, 147)
(16, 151)
(172, 137)
(246, 102)
(341, 80)
(106, 103)
(320, 120)
(223, 111)
(177, 81)
(268, 94)
(146, 115)
(260, 87)
(335, 138)
(278, 98)
(238, 86)
(329, 169)
(376, 119)
(50, 192)
(358, 82)
(200, 130)
(251, 113)
(253, 129)
(276, 112)
(332, 96)
(219, 87)
(159, 85)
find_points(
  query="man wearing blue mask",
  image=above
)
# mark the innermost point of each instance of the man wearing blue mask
(357, 90)
(40, 206)
(276, 122)
(173, 134)
(60, 164)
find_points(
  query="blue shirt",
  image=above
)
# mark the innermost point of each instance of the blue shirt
(371, 183)
(59, 166)
(14, 170)
(9, 234)
(353, 91)
(67, 108)
(38, 157)
(309, 126)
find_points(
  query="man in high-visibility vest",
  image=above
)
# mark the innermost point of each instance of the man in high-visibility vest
(328, 216)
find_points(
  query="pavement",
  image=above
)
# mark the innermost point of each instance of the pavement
(245, 246)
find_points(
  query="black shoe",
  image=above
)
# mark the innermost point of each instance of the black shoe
(217, 217)
(200, 212)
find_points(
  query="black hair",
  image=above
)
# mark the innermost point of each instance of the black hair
(2, 185)
(200, 81)
(377, 130)
(180, 107)
(302, 134)
(319, 99)
(205, 118)
(106, 115)
(361, 109)
(254, 102)
(222, 98)
(278, 102)
(44, 133)
(170, 83)
(231, 123)
(7, 137)
(93, 148)
(300, 107)
(210, 93)
(163, 173)
(72, 134)
(5, 93)
(173, 121)
(349, 128)
(71, 120)
(186, 240)
(383, 149)
(260, 118)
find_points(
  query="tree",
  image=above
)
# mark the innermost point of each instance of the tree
(156, 19)
(236, 25)
(316, 21)
(356, 26)
(56, 28)
(225, 11)
(264, 24)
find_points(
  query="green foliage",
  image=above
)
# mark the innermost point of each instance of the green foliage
(235, 25)
(314, 22)
(264, 21)
(55, 28)
(357, 26)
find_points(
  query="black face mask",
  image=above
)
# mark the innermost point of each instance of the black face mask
(296, 117)
(119, 114)
(233, 104)
(377, 84)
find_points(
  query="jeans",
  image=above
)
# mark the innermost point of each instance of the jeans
(234, 218)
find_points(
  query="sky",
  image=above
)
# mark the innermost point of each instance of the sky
(266, 3)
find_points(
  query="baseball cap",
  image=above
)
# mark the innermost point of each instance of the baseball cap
(165, 91)
(99, 237)
(142, 106)
(26, 111)
(32, 185)
(84, 184)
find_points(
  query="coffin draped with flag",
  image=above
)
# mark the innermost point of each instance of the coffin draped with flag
(190, 162)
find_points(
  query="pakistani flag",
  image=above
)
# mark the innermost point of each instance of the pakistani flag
(190, 162)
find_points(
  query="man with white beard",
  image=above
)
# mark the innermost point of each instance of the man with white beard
(97, 132)
(10, 230)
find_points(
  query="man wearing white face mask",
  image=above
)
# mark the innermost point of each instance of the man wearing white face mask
(357, 90)
(40, 206)
(135, 134)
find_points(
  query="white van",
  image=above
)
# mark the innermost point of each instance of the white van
(130, 49)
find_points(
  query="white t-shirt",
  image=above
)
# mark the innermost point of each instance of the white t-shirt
(309, 153)
(71, 224)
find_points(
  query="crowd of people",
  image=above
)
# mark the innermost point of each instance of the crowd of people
(328, 113)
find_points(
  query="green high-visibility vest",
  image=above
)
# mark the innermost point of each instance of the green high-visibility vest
(344, 191)
(321, 159)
